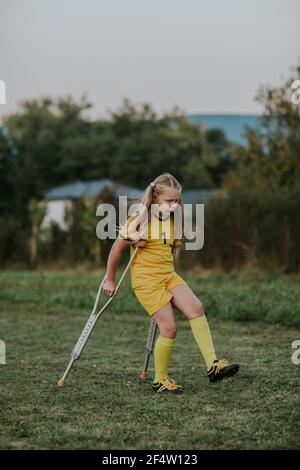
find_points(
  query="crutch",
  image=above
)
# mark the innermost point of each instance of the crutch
(90, 324)
(150, 343)
(149, 348)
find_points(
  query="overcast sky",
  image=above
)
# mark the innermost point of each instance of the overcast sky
(204, 56)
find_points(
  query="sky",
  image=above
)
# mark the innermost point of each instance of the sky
(203, 56)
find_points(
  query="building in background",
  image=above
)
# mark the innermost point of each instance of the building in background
(59, 198)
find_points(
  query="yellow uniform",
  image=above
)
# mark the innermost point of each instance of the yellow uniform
(152, 271)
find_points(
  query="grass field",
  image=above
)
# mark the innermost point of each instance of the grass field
(106, 406)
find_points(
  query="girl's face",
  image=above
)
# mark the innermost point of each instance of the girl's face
(167, 201)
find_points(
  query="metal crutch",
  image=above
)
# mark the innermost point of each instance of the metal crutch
(149, 348)
(90, 324)
(150, 342)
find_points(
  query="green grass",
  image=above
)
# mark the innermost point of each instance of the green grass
(106, 406)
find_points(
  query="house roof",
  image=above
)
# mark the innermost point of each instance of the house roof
(122, 190)
(77, 190)
(80, 189)
(197, 195)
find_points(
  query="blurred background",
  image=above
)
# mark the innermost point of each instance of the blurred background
(101, 97)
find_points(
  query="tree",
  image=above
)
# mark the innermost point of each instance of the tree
(7, 173)
(145, 145)
(50, 142)
(271, 158)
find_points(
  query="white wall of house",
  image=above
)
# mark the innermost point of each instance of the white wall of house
(56, 213)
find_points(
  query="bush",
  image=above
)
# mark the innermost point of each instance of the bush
(253, 228)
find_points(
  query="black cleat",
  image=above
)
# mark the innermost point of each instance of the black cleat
(221, 369)
(167, 385)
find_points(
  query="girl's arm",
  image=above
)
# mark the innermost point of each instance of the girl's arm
(113, 260)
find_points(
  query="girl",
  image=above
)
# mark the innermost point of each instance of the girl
(157, 286)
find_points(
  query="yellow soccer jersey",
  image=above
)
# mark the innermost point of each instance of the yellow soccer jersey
(154, 260)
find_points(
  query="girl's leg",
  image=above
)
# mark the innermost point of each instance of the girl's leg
(166, 322)
(186, 301)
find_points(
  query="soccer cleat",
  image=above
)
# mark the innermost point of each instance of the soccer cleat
(221, 369)
(166, 385)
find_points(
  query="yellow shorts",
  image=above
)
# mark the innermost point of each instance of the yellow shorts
(155, 295)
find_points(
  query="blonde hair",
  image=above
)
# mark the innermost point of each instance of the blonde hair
(157, 187)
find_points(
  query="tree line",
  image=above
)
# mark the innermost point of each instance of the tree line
(52, 142)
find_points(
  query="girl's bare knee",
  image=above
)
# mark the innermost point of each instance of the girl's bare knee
(168, 331)
(200, 310)
(197, 309)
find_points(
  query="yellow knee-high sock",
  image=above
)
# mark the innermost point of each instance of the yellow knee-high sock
(202, 335)
(162, 352)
